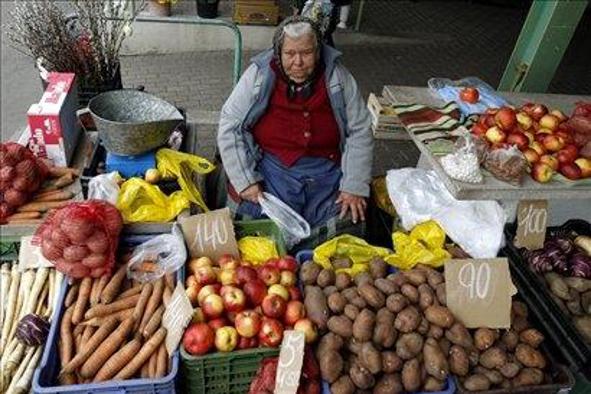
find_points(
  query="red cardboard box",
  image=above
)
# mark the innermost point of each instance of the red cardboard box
(52, 122)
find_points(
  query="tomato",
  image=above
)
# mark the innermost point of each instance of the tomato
(469, 95)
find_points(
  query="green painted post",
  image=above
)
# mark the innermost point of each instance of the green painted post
(545, 35)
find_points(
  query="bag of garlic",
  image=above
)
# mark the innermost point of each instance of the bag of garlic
(463, 164)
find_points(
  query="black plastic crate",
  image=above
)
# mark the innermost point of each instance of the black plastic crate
(575, 350)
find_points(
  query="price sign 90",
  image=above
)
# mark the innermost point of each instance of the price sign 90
(476, 280)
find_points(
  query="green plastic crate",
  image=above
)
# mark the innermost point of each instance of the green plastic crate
(222, 373)
(261, 228)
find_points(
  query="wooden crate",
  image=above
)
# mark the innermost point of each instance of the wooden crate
(256, 12)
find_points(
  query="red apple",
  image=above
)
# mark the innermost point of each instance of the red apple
(271, 332)
(571, 171)
(280, 290)
(491, 111)
(585, 165)
(538, 111)
(228, 276)
(247, 343)
(565, 157)
(294, 293)
(287, 263)
(505, 118)
(541, 172)
(234, 299)
(551, 143)
(524, 120)
(469, 95)
(294, 311)
(565, 137)
(205, 275)
(232, 317)
(549, 122)
(270, 275)
(495, 135)
(193, 293)
(272, 262)
(489, 121)
(212, 306)
(543, 131)
(245, 274)
(248, 323)
(558, 114)
(274, 306)
(192, 281)
(551, 161)
(538, 148)
(198, 339)
(198, 316)
(479, 129)
(255, 291)
(218, 323)
(308, 328)
(530, 136)
(226, 339)
(207, 290)
(228, 261)
(531, 155)
(288, 278)
(518, 139)
(195, 263)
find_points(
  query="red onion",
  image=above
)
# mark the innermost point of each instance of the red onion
(539, 261)
(581, 265)
(32, 330)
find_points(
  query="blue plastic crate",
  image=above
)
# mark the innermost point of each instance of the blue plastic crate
(45, 377)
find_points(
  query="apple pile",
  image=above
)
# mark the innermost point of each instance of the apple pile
(240, 306)
(544, 137)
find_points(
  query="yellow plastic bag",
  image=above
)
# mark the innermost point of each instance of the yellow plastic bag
(424, 244)
(257, 250)
(140, 201)
(182, 166)
(356, 249)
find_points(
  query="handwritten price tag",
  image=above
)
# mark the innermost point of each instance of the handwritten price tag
(531, 224)
(176, 317)
(290, 363)
(210, 234)
(478, 292)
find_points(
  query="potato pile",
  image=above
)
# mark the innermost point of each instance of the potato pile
(393, 333)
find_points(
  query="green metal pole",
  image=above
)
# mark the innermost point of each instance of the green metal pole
(545, 35)
(359, 15)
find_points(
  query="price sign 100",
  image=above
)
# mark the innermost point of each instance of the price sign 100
(533, 220)
(475, 280)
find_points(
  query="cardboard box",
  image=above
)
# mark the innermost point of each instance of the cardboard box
(256, 12)
(54, 130)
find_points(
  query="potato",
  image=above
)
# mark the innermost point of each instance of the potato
(432, 384)
(574, 305)
(410, 292)
(506, 384)
(309, 272)
(519, 323)
(445, 345)
(359, 302)
(371, 295)
(484, 338)
(459, 335)
(581, 285)
(351, 311)
(409, 345)
(362, 278)
(350, 293)
(532, 337)
(586, 302)
(411, 375)
(529, 357)
(557, 285)
(353, 345)
(391, 362)
(426, 296)
(510, 370)
(434, 360)
(473, 357)
(396, 302)
(416, 277)
(363, 325)
(384, 335)
(493, 376)
(519, 308)
(316, 307)
(336, 302)
(510, 339)
(440, 316)
(528, 377)
(385, 316)
(342, 263)
(434, 278)
(493, 358)
(361, 377)
(423, 327)
(583, 325)
(386, 286)
(477, 382)
(342, 280)
(441, 295)
(435, 332)
(330, 290)
(331, 365)
(459, 364)
(389, 384)
(398, 278)
(343, 385)
(340, 325)
(407, 319)
(370, 358)
(378, 268)
(329, 341)
(325, 278)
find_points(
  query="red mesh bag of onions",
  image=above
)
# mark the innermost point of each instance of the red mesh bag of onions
(21, 175)
(81, 238)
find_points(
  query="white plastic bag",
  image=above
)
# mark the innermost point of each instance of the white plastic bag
(293, 227)
(419, 195)
(167, 251)
(105, 187)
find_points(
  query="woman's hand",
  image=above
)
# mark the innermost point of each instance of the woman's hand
(252, 193)
(353, 203)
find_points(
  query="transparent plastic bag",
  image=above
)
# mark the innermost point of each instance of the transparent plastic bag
(293, 227)
(449, 90)
(508, 165)
(463, 164)
(165, 253)
(105, 187)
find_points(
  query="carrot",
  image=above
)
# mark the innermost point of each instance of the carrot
(153, 302)
(161, 361)
(118, 360)
(93, 293)
(82, 300)
(86, 335)
(152, 365)
(72, 294)
(41, 194)
(56, 171)
(57, 195)
(106, 349)
(166, 295)
(153, 323)
(41, 206)
(146, 266)
(112, 288)
(130, 292)
(116, 306)
(169, 280)
(102, 283)
(63, 181)
(120, 316)
(78, 330)
(77, 342)
(141, 304)
(66, 339)
(140, 358)
(89, 347)
(145, 370)
(24, 216)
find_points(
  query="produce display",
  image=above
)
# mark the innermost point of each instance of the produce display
(28, 301)
(111, 329)
(547, 139)
(239, 306)
(81, 238)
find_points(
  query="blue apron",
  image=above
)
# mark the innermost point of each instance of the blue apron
(310, 187)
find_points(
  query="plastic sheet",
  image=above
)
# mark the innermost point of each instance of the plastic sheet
(105, 187)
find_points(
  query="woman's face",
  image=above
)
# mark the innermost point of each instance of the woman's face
(298, 57)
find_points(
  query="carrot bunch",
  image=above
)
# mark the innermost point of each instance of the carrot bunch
(112, 329)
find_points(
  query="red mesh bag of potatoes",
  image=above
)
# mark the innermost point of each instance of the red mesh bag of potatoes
(21, 175)
(81, 238)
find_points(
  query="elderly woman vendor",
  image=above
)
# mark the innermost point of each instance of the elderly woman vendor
(297, 127)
